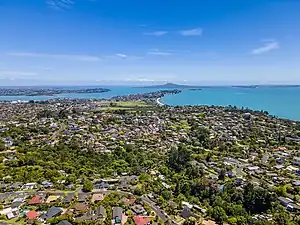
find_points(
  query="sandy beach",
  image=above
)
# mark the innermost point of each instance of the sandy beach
(158, 102)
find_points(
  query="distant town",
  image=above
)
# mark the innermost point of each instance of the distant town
(35, 91)
(133, 160)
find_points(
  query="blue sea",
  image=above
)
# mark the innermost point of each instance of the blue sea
(283, 102)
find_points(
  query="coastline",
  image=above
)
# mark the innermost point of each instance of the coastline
(159, 102)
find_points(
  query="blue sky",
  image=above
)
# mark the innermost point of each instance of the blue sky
(140, 41)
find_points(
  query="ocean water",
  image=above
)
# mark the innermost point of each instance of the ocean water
(283, 102)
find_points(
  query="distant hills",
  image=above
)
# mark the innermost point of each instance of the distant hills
(172, 85)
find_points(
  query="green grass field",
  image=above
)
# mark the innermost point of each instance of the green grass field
(126, 105)
(132, 104)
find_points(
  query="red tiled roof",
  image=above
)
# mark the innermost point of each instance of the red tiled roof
(140, 220)
(32, 215)
(35, 200)
(127, 201)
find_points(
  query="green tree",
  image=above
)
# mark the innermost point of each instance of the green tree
(167, 195)
(190, 221)
(178, 158)
(257, 199)
(194, 171)
(2, 146)
(87, 186)
(222, 174)
(219, 214)
(282, 218)
(281, 190)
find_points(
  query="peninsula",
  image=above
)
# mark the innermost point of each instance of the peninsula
(49, 91)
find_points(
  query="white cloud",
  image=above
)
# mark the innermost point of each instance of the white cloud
(123, 56)
(159, 53)
(157, 33)
(268, 46)
(17, 73)
(192, 32)
(139, 79)
(60, 4)
(90, 58)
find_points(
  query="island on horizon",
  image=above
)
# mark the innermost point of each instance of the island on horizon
(172, 85)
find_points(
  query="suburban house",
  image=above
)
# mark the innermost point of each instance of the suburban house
(64, 222)
(10, 213)
(29, 186)
(100, 212)
(52, 212)
(68, 198)
(117, 215)
(285, 201)
(32, 215)
(52, 198)
(80, 207)
(97, 198)
(141, 220)
(128, 201)
(83, 197)
(186, 212)
(138, 209)
(35, 200)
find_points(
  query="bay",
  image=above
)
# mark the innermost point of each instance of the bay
(283, 102)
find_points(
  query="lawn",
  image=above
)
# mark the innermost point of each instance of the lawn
(131, 104)
(126, 105)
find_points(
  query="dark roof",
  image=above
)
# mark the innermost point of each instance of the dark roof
(64, 222)
(117, 212)
(52, 212)
(102, 185)
(186, 212)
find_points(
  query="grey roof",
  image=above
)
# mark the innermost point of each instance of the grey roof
(285, 200)
(52, 212)
(100, 211)
(117, 212)
(82, 197)
(186, 212)
(64, 222)
(16, 204)
(138, 209)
